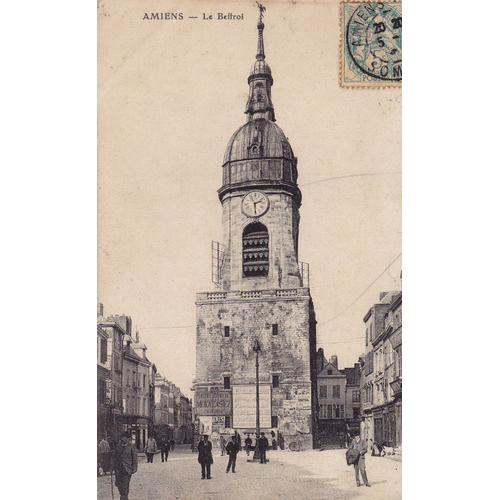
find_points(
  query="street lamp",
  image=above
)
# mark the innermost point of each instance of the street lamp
(257, 349)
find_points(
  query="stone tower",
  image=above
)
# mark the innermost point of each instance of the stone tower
(262, 293)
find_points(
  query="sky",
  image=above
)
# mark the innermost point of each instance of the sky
(170, 94)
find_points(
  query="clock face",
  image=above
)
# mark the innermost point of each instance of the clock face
(255, 204)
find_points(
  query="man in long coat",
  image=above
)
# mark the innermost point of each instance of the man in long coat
(205, 458)
(125, 464)
(263, 445)
(232, 449)
(359, 466)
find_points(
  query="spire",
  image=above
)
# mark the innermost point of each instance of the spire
(260, 42)
(259, 104)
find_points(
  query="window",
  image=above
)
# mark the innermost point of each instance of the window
(226, 331)
(275, 328)
(341, 411)
(144, 380)
(330, 372)
(104, 350)
(227, 382)
(356, 396)
(366, 337)
(335, 391)
(276, 381)
(321, 411)
(255, 250)
(329, 411)
(101, 391)
(322, 391)
(227, 421)
(274, 421)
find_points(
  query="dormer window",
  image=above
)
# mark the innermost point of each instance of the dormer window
(254, 150)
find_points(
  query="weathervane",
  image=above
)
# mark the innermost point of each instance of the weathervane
(262, 9)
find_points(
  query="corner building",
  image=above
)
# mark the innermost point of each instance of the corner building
(262, 294)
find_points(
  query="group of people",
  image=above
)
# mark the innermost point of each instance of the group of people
(165, 446)
(232, 448)
(122, 458)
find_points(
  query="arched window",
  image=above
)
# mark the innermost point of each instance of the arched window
(255, 250)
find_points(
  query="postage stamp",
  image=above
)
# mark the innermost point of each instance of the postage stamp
(370, 44)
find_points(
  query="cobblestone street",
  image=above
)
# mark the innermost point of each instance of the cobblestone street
(303, 475)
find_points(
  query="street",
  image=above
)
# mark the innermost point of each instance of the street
(302, 475)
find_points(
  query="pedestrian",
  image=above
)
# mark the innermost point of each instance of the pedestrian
(232, 450)
(248, 444)
(238, 439)
(151, 449)
(263, 444)
(125, 464)
(172, 445)
(104, 455)
(359, 445)
(222, 445)
(205, 458)
(164, 449)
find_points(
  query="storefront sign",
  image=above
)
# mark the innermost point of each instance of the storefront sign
(212, 401)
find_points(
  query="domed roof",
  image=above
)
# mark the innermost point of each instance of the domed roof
(260, 138)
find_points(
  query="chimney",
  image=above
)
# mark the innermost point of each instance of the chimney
(100, 310)
(382, 295)
(334, 361)
(137, 334)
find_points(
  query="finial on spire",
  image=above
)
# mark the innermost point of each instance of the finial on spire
(260, 26)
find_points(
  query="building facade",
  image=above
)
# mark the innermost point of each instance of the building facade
(353, 398)
(331, 397)
(103, 383)
(173, 412)
(115, 331)
(263, 304)
(339, 400)
(381, 371)
(136, 391)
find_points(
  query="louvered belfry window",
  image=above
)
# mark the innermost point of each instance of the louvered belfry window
(255, 250)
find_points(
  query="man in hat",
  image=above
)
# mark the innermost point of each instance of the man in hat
(263, 445)
(125, 464)
(164, 449)
(205, 458)
(360, 466)
(232, 449)
(248, 444)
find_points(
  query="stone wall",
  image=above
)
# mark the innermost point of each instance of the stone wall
(286, 354)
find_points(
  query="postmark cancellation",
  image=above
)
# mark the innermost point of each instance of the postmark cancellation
(370, 44)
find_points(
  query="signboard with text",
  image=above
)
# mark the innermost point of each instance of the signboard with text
(244, 413)
(212, 401)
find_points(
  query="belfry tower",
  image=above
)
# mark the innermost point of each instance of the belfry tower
(263, 290)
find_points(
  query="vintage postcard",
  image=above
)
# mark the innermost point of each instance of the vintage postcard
(249, 316)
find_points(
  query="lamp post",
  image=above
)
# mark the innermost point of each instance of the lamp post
(256, 349)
